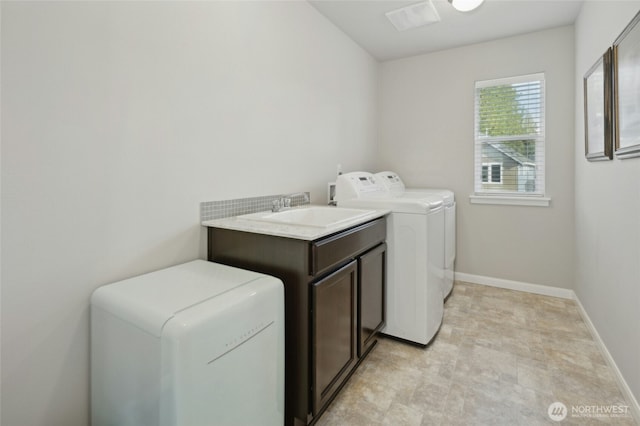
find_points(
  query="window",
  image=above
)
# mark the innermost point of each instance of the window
(491, 173)
(509, 137)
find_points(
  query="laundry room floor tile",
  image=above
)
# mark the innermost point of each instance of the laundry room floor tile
(501, 357)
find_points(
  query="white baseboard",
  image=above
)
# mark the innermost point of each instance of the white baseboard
(544, 290)
(563, 293)
(634, 407)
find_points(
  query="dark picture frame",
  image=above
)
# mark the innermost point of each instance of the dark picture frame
(598, 110)
(626, 90)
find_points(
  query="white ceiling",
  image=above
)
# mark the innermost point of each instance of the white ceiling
(365, 22)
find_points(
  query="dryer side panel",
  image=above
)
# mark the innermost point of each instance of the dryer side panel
(125, 372)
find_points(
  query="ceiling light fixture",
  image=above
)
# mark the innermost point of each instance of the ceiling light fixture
(465, 5)
(413, 16)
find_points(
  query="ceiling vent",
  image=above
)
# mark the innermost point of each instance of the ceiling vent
(414, 16)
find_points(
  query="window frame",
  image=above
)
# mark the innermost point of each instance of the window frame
(504, 196)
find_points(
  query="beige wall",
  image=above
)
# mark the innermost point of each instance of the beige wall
(426, 135)
(118, 119)
(607, 210)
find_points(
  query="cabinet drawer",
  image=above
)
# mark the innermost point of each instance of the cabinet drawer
(336, 249)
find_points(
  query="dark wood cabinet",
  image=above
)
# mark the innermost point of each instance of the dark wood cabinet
(334, 303)
(371, 296)
(333, 332)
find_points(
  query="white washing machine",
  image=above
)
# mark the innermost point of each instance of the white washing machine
(415, 255)
(195, 344)
(392, 181)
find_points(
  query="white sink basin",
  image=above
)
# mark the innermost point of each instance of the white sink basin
(314, 216)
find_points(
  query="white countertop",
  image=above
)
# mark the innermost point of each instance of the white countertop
(300, 232)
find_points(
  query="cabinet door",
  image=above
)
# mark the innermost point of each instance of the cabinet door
(371, 296)
(334, 334)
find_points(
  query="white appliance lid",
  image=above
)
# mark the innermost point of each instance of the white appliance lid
(364, 190)
(148, 301)
(447, 195)
(422, 205)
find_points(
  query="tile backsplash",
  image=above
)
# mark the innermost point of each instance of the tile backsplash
(226, 208)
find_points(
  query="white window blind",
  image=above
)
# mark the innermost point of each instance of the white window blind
(509, 136)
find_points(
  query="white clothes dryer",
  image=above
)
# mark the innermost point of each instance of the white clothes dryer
(415, 262)
(396, 186)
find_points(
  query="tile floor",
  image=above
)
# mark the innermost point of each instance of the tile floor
(501, 357)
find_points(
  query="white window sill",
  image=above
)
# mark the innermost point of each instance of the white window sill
(510, 201)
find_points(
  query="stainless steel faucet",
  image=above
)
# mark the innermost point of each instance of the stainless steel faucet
(284, 201)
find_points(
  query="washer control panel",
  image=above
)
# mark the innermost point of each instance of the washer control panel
(391, 181)
(359, 185)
